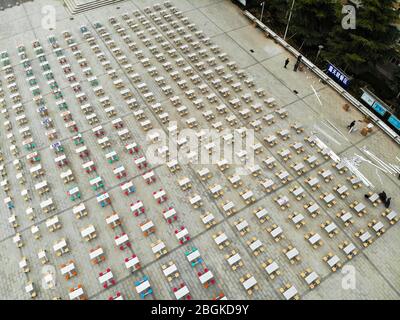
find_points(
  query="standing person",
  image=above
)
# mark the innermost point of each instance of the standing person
(286, 63)
(297, 64)
(387, 203)
(382, 196)
(351, 126)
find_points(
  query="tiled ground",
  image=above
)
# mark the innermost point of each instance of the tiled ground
(377, 267)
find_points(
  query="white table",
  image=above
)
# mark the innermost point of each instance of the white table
(242, 225)
(143, 286)
(182, 233)
(276, 232)
(272, 267)
(206, 277)
(234, 259)
(158, 247)
(194, 255)
(292, 253)
(290, 293)
(255, 245)
(106, 277)
(121, 239)
(76, 293)
(221, 238)
(170, 270)
(249, 283)
(313, 276)
(181, 292)
(314, 239)
(333, 261)
(96, 253)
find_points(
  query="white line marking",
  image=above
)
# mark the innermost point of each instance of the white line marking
(316, 94)
(327, 135)
(379, 176)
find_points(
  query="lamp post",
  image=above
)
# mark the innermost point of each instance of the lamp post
(290, 17)
(262, 10)
(320, 47)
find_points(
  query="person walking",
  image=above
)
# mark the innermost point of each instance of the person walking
(286, 63)
(351, 126)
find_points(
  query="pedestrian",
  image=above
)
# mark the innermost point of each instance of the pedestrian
(387, 203)
(351, 126)
(286, 63)
(297, 64)
(382, 196)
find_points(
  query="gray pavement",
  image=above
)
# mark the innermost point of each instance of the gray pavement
(376, 267)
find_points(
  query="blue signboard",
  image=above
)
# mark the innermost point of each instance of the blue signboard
(394, 122)
(338, 76)
(379, 108)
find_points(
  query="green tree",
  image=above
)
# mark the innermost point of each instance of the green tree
(372, 41)
(275, 13)
(312, 21)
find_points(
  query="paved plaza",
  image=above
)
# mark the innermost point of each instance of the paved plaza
(86, 214)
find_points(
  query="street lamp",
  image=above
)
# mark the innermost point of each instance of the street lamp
(290, 17)
(320, 47)
(262, 10)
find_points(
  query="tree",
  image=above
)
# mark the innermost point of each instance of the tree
(372, 41)
(278, 12)
(313, 20)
